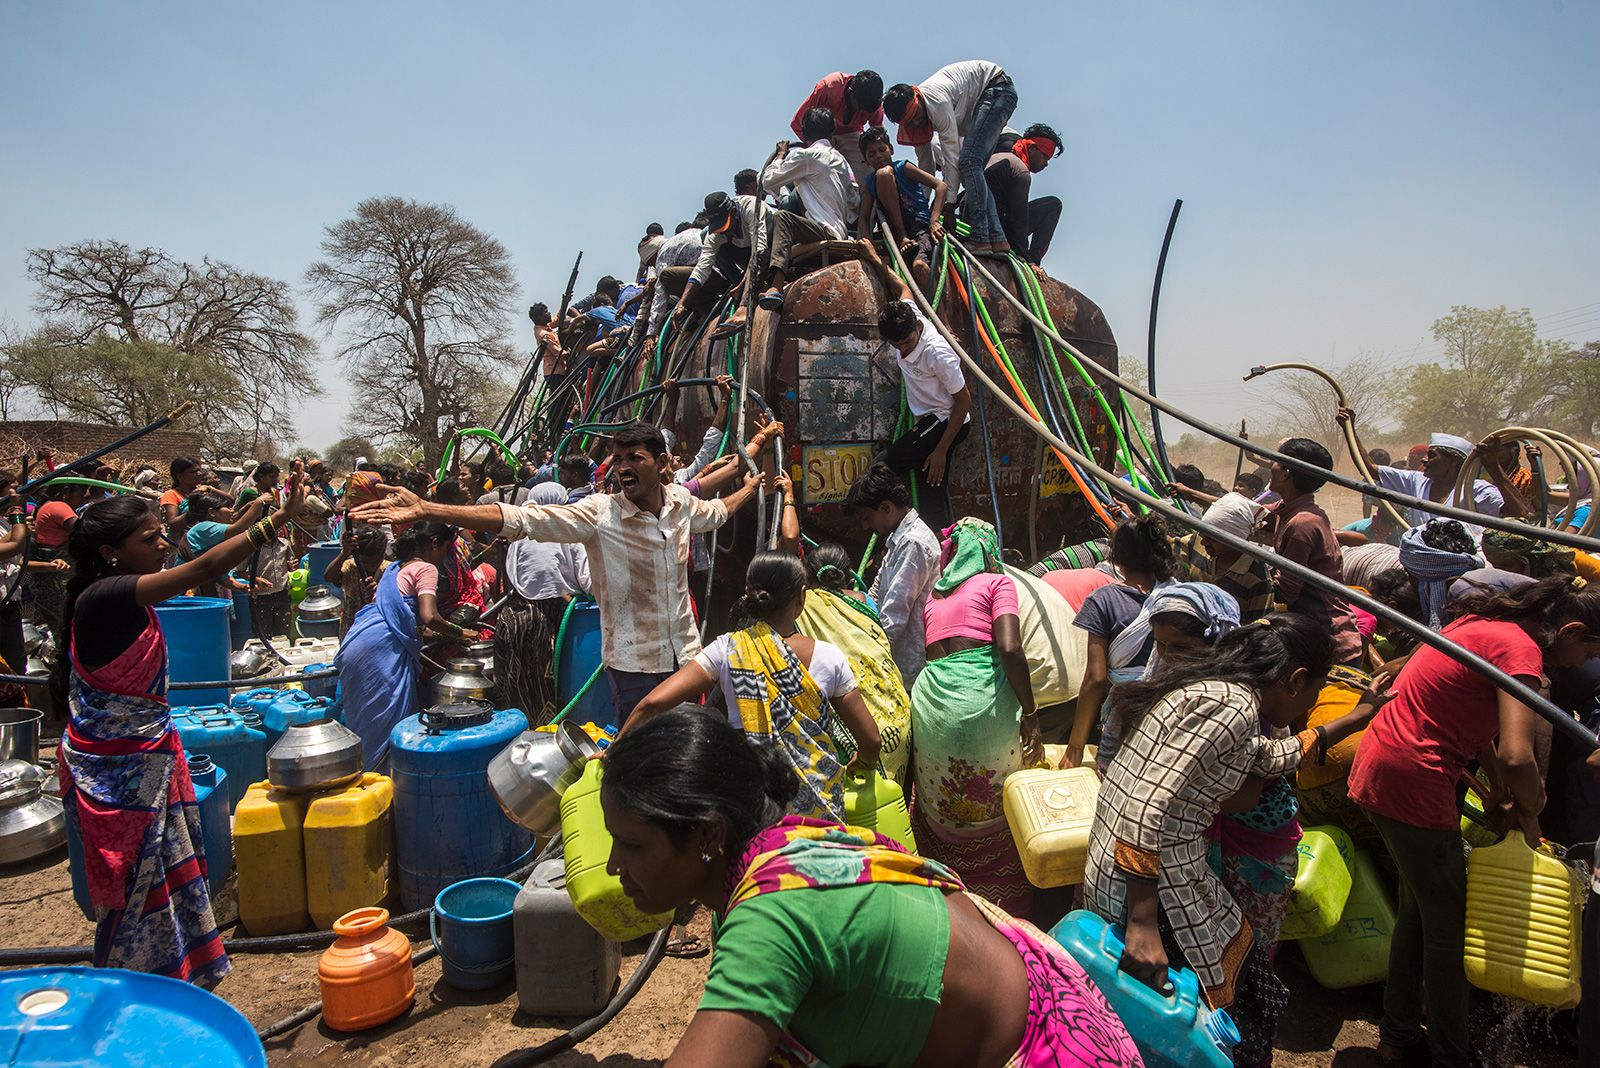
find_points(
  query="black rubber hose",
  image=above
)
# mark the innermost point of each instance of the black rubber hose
(1155, 304)
(218, 684)
(561, 1043)
(264, 944)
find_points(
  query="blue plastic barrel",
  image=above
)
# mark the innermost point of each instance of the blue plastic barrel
(234, 740)
(216, 828)
(580, 655)
(240, 628)
(318, 556)
(1175, 1030)
(78, 1017)
(447, 823)
(196, 629)
(471, 928)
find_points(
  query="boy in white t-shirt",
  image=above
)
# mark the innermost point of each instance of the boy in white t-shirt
(936, 392)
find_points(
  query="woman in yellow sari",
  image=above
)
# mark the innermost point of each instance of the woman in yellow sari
(781, 688)
(845, 617)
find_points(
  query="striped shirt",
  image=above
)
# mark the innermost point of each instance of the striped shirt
(1246, 578)
(638, 564)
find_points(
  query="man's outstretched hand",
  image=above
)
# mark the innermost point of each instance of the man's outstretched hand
(398, 505)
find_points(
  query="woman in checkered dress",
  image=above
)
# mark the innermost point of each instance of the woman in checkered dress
(1198, 743)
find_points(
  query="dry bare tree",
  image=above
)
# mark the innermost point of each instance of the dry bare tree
(124, 331)
(422, 299)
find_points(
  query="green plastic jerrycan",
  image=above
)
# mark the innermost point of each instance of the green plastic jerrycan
(1322, 885)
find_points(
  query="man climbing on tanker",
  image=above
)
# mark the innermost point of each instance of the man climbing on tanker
(899, 189)
(954, 118)
(936, 392)
(1029, 225)
(818, 173)
(855, 101)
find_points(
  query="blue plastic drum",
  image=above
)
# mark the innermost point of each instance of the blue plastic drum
(196, 629)
(579, 656)
(82, 1017)
(318, 556)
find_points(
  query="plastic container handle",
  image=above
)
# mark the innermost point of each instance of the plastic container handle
(470, 969)
(207, 721)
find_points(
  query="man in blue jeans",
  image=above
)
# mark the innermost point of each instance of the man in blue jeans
(954, 118)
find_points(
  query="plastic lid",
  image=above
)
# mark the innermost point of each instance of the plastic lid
(1223, 1031)
(456, 715)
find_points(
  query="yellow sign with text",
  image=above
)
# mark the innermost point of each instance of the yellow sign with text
(1053, 478)
(829, 470)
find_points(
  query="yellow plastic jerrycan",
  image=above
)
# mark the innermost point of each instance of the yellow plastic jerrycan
(349, 839)
(1523, 935)
(596, 894)
(1322, 885)
(878, 804)
(1050, 811)
(1356, 952)
(269, 853)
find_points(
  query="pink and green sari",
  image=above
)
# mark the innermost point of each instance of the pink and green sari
(1070, 1025)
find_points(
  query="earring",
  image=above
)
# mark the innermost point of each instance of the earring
(705, 857)
(113, 561)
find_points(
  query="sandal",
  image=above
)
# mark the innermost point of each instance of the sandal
(688, 947)
(772, 300)
(727, 329)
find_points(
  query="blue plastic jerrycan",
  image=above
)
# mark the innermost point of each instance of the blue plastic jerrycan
(232, 739)
(1177, 1031)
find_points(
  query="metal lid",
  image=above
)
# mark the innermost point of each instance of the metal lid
(20, 782)
(456, 715)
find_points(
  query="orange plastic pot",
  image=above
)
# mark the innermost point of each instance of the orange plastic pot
(366, 974)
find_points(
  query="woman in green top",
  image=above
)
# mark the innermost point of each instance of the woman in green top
(834, 945)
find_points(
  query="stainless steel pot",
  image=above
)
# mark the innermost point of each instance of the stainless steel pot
(315, 756)
(249, 662)
(529, 776)
(32, 823)
(463, 680)
(33, 638)
(320, 604)
(19, 734)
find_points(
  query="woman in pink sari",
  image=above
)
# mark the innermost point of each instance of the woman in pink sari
(122, 771)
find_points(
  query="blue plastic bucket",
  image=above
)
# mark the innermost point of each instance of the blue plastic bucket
(471, 928)
(196, 630)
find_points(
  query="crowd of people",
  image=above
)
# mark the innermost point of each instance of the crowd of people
(1224, 700)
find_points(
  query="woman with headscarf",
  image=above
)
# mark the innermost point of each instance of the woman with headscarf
(973, 717)
(1143, 557)
(1433, 554)
(845, 617)
(543, 578)
(1202, 558)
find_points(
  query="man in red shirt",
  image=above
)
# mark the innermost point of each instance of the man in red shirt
(1301, 533)
(856, 101)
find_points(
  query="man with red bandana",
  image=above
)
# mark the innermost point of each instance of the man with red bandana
(1029, 224)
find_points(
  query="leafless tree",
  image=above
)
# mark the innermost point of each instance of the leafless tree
(1307, 406)
(423, 300)
(124, 328)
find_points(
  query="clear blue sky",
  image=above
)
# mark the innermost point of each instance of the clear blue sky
(1349, 171)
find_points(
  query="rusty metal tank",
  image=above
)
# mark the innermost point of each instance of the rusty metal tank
(834, 383)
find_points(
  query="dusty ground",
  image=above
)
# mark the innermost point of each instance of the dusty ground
(1322, 1028)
